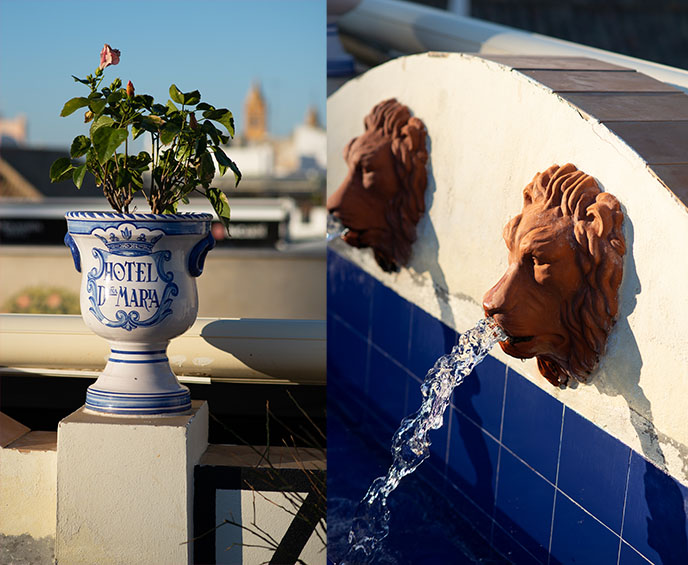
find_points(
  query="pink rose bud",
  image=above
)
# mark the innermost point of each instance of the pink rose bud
(108, 56)
(192, 121)
(130, 90)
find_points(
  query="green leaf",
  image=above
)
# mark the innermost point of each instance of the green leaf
(81, 80)
(183, 151)
(225, 161)
(101, 122)
(159, 109)
(204, 106)
(97, 106)
(192, 98)
(186, 98)
(144, 159)
(115, 97)
(176, 94)
(208, 128)
(222, 116)
(137, 180)
(106, 140)
(122, 178)
(80, 146)
(95, 95)
(78, 176)
(61, 169)
(206, 169)
(171, 106)
(220, 204)
(144, 99)
(168, 132)
(201, 144)
(73, 105)
(227, 120)
(152, 123)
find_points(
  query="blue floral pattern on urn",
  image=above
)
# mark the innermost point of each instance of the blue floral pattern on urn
(138, 291)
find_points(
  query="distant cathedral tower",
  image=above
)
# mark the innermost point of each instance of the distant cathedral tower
(312, 118)
(255, 115)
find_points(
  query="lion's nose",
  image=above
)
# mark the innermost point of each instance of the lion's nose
(495, 298)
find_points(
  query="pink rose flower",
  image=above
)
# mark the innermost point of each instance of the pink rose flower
(130, 89)
(108, 56)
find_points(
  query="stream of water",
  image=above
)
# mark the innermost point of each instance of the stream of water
(335, 228)
(411, 445)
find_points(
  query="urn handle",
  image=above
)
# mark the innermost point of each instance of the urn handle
(198, 253)
(76, 256)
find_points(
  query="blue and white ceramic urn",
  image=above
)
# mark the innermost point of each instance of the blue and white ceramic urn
(138, 291)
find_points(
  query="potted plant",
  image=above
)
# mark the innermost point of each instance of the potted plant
(138, 287)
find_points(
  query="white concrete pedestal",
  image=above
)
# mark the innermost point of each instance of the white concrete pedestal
(125, 487)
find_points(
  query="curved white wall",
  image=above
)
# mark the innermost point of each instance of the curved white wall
(491, 129)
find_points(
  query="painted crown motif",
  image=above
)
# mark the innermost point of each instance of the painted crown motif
(123, 241)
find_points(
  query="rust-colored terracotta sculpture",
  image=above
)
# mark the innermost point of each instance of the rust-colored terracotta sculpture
(558, 299)
(383, 196)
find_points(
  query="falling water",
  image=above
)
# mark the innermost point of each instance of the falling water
(335, 228)
(410, 445)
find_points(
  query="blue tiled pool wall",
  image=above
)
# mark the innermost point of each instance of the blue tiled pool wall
(541, 483)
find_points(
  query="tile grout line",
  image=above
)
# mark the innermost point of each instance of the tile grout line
(499, 456)
(410, 333)
(623, 511)
(446, 448)
(556, 483)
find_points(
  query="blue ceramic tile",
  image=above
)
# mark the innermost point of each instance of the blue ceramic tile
(391, 319)
(481, 395)
(524, 505)
(655, 517)
(387, 387)
(532, 424)
(593, 467)
(630, 556)
(472, 461)
(572, 526)
(430, 339)
(481, 520)
(346, 354)
(512, 550)
(349, 292)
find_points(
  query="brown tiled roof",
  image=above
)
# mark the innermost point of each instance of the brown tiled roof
(34, 167)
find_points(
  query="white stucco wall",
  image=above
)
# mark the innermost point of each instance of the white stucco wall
(491, 129)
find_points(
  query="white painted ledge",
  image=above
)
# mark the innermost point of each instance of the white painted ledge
(235, 350)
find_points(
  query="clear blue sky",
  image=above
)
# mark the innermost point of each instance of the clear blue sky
(219, 47)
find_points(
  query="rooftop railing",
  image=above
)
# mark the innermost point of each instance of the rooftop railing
(402, 28)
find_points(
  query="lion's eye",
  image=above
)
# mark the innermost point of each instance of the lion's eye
(368, 178)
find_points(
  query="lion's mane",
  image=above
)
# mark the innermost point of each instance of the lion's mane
(392, 247)
(597, 228)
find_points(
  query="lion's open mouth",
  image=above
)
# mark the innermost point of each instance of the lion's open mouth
(513, 340)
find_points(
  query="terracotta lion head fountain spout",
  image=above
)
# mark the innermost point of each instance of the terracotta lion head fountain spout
(382, 197)
(558, 299)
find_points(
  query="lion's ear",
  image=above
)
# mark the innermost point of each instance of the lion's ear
(600, 214)
(509, 233)
(604, 220)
